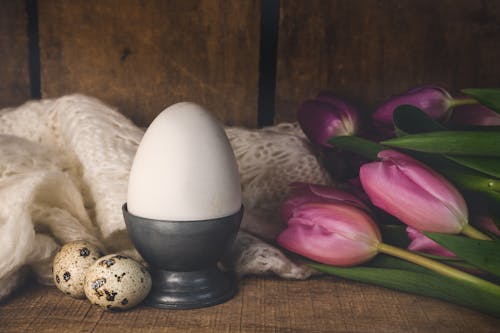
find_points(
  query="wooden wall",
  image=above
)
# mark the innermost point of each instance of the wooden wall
(142, 56)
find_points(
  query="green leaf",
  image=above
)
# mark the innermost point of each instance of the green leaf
(408, 119)
(488, 165)
(489, 97)
(465, 178)
(475, 143)
(427, 284)
(360, 146)
(484, 254)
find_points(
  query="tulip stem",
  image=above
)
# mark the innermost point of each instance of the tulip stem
(472, 232)
(462, 101)
(437, 267)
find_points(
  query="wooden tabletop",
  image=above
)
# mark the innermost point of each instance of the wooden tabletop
(323, 304)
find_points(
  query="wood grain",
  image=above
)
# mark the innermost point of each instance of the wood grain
(366, 51)
(14, 74)
(262, 305)
(143, 56)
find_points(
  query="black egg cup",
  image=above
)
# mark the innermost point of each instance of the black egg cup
(184, 256)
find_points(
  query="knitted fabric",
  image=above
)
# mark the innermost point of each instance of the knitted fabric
(64, 166)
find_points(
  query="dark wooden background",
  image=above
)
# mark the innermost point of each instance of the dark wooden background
(142, 56)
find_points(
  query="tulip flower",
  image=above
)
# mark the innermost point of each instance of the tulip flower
(301, 193)
(327, 116)
(420, 242)
(435, 101)
(486, 223)
(416, 195)
(340, 234)
(474, 115)
(333, 233)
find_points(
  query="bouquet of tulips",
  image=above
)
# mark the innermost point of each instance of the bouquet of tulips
(422, 213)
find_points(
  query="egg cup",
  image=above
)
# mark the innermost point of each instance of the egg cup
(184, 256)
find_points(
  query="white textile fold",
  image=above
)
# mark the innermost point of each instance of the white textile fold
(64, 166)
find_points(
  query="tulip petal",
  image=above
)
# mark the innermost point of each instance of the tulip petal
(393, 191)
(433, 100)
(320, 121)
(422, 243)
(430, 181)
(319, 244)
(350, 221)
(301, 193)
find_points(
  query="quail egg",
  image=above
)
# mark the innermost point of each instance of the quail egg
(117, 282)
(70, 266)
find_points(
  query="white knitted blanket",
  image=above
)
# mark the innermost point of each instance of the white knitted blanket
(64, 166)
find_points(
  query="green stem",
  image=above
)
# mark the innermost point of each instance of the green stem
(461, 101)
(472, 232)
(437, 267)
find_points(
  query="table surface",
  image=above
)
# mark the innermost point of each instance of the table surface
(263, 304)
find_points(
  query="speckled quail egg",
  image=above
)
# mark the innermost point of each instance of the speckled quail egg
(117, 282)
(70, 266)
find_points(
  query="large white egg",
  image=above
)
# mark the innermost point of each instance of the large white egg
(184, 168)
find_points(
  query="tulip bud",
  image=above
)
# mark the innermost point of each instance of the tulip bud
(433, 100)
(420, 242)
(414, 193)
(325, 117)
(331, 233)
(474, 115)
(486, 223)
(301, 193)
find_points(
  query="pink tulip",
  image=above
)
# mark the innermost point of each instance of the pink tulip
(327, 116)
(331, 233)
(414, 193)
(301, 193)
(474, 115)
(340, 234)
(435, 101)
(420, 242)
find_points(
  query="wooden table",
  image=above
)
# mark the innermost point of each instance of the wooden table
(324, 304)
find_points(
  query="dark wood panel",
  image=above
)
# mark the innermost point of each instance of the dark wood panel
(264, 305)
(145, 55)
(369, 50)
(14, 74)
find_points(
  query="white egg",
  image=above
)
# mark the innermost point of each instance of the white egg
(117, 282)
(70, 266)
(184, 168)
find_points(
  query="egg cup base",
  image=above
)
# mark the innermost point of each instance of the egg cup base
(191, 290)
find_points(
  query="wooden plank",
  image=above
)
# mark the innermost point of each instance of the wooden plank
(366, 51)
(143, 56)
(14, 74)
(262, 305)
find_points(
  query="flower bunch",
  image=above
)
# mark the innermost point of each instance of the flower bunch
(436, 173)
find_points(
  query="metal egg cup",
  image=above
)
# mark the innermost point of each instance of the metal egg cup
(183, 256)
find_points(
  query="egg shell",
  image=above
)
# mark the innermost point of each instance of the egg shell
(184, 168)
(70, 265)
(117, 282)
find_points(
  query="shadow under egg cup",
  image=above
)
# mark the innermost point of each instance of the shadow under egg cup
(183, 256)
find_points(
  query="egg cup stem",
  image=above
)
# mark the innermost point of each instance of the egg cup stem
(190, 290)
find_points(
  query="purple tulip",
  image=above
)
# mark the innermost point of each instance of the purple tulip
(486, 223)
(327, 116)
(331, 233)
(474, 115)
(414, 193)
(433, 100)
(301, 193)
(420, 242)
